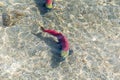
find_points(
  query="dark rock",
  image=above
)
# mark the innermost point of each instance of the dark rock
(6, 19)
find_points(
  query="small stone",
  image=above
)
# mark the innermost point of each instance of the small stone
(1, 4)
(6, 19)
(94, 39)
(72, 16)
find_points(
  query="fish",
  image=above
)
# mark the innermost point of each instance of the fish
(49, 4)
(62, 40)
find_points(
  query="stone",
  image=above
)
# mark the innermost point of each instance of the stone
(6, 19)
(2, 4)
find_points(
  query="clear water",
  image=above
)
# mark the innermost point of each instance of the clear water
(91, 26)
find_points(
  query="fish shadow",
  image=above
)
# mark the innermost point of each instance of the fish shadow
(41, 6)
(54, 49)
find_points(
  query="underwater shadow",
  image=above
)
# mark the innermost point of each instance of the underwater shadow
(41, 6)
(54, 48)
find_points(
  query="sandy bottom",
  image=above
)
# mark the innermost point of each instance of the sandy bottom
(91, 26)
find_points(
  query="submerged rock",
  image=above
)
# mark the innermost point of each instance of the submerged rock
(6, 19)
(1, 4)
(11, 18)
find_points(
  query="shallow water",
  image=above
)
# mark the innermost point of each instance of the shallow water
(91, 26)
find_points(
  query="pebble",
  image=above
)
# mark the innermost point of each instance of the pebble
(6, 19)
(1, 4)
